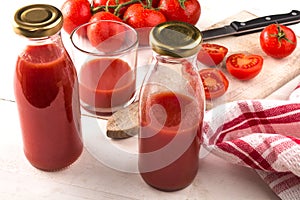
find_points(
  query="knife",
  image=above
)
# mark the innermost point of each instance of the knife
(237, 28)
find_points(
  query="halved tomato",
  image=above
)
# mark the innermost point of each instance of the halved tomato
(214, 81)
(211, 54)
(244, 67)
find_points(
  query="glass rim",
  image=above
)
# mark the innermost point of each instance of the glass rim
(114, 53)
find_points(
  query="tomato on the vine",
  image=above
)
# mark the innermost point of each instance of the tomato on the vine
(211, 54)
(214, 82)
(138, 16)
(278, 41)
(98, 33)
(75, 13)
(181, 10)
(143, 19)
(244, 67)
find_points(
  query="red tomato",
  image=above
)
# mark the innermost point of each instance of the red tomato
(187, 11)
(138, 17)
(278, 41)
(143, 19)
(244, 67)
(214, 82)
(75, 13)
(98, 33)
(104, 15)
(211, 54)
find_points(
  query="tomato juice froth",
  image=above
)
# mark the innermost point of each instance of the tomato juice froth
(45, 90)
(168, 152)
(105, 84)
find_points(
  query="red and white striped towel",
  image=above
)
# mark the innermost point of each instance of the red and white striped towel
(259, 134)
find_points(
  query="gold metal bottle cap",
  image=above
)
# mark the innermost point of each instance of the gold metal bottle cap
(38, 20)
(176, 39)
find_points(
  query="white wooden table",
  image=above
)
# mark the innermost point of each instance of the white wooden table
(88, 178)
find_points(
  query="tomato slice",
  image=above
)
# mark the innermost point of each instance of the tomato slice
(211, 54)
(214, 81)
(244, 67)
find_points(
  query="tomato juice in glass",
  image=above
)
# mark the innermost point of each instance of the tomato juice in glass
(105, 58)
(46, 91)
(106, 83)
(169, 152)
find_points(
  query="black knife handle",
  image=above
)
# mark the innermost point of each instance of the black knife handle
(259, 23)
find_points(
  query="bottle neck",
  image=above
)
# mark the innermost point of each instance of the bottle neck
(175, 61)
(46, 44)
(56, 38)
(172, 60)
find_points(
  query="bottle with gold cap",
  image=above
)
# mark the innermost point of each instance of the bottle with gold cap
(171, 109)
(46, 90)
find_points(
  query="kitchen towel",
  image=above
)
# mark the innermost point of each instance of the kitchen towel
(259, 134)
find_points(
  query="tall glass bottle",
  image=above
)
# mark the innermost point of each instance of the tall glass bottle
(171, 109)
(46, 90)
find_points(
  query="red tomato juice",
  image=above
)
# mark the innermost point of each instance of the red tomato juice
(106, 83)
(45, 90)
(169, 152)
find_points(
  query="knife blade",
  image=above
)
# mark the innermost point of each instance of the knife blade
(237, 28)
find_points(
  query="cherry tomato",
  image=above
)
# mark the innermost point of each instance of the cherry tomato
(211, 54)
(181, 10)
(214, 82)
(75, 13)
(244, 67)
(98, 33)
(278, 41)
(143, 19)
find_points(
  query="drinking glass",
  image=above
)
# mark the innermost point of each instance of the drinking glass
(105, 56)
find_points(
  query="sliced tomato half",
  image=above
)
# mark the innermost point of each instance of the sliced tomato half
(211, 54)
(214, 81)
(244, 67)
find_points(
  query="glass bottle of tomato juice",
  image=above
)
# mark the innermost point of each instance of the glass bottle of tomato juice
(46, 90)
(171, 109)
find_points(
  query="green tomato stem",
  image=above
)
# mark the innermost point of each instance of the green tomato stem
(281, 35)
(121, 5)
(116, 7)
(181, 2)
